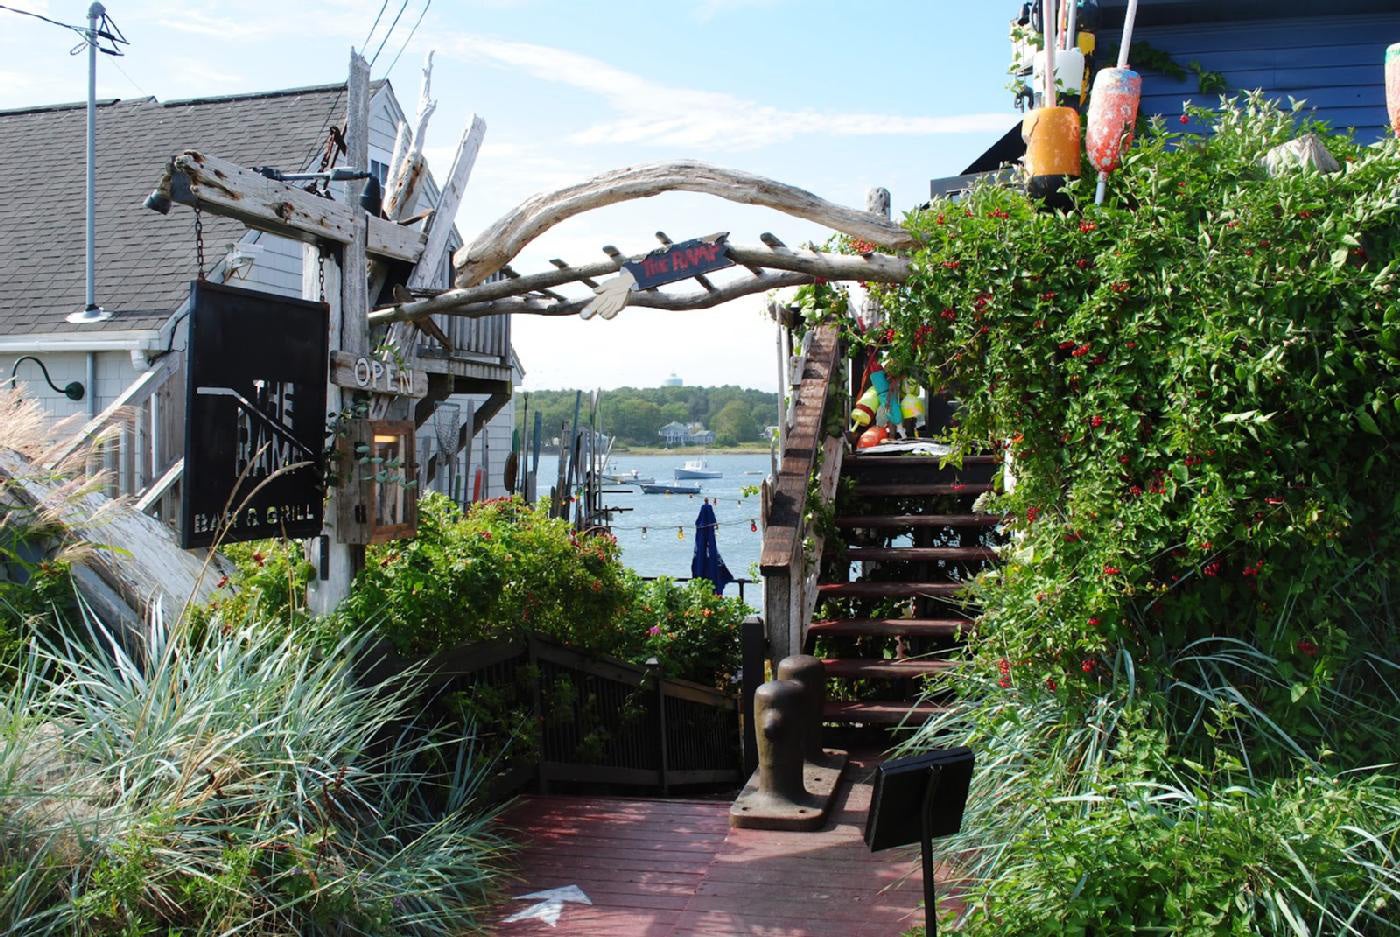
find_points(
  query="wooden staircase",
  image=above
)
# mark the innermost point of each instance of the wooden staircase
(889, 593)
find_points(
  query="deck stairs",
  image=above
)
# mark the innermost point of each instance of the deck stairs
(890, 605)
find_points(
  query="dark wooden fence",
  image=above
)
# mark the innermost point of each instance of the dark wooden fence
(563, 716)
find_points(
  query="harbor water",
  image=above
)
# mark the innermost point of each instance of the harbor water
(647, 527)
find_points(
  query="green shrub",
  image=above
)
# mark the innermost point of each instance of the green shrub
(231, 782)
(693, 633)
(1185, 673)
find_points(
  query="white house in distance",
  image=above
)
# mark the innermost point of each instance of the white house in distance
(686, 434)
(145, 262)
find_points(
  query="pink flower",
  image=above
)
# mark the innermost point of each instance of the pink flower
(654, 630)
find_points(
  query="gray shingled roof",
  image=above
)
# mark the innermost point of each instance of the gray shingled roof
(144, 260)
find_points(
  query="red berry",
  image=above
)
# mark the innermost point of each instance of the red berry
(1183, 119)
(1087, 666)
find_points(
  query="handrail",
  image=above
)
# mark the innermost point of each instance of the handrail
(789, 586)
(138, 392)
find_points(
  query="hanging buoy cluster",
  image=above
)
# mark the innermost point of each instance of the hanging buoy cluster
(1113, 111)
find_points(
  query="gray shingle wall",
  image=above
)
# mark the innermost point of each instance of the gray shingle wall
(145, 260)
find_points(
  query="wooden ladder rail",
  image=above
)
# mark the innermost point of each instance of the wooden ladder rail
(789, 577)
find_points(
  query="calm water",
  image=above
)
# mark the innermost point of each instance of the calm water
(647, 532)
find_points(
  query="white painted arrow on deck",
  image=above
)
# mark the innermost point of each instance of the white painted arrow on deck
(550, 906)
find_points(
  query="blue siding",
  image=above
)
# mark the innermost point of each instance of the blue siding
(1334, 63)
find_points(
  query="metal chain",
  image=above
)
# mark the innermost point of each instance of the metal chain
(321, 272)
(199, 239)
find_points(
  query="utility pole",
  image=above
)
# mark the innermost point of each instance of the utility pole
(91, 312)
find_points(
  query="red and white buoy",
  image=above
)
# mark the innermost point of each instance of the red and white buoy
(1113, 110)
(1392, 85)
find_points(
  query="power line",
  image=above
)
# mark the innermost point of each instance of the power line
(375, 25)
(403, 6)
(422, 13)
(108, 30)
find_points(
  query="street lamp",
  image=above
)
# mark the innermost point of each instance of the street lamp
(73, 390)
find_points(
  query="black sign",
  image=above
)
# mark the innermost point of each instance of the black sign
(680, 261)
(255, 416)
(920, 794)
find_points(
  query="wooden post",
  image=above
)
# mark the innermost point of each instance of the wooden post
(347, 293)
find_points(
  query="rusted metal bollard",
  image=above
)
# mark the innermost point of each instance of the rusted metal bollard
(811, 673)
(778, 708)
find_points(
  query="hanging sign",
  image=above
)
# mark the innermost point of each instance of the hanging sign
(666, 265)
(255, 412)
(680, 262)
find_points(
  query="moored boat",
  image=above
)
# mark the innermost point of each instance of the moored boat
(698, 468)
(633, 477)
(669, 489)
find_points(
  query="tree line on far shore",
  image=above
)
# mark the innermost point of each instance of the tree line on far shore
(635, 415)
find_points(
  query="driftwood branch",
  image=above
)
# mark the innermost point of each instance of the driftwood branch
(498, 244)
(881, 268)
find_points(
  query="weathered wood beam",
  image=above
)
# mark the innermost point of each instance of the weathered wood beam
(528, 306)
(231, 191)
(498, 244)
(881, 268)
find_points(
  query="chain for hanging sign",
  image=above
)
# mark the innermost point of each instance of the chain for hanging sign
(321, 254)
(199, 240)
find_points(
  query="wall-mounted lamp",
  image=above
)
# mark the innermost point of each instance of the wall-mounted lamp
(73, 390)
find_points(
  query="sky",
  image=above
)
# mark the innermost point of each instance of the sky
(836, 98)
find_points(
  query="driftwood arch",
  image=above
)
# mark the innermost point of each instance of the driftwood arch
(770, 266)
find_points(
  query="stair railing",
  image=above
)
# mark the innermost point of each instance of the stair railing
(139, 439)
(791, 543)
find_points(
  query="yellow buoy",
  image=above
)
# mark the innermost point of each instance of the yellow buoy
(1052, 151)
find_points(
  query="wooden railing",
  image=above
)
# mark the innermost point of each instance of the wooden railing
(139, 439)
(600, 721)
(472, 339)
(791, 546)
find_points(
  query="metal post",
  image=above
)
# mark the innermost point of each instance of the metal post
(811, 674)
(95, 14)
(926, 852)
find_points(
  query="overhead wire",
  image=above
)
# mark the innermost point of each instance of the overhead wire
(402, 6)
(107, 30)
(422, 13)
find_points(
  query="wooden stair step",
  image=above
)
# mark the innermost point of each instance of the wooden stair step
(917, 520)
(891, 627)
(859, 668)
(885, 590)
(919, 490)
(918, 554)
(880, 712)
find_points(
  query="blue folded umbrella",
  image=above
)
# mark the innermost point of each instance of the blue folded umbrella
(707, 563)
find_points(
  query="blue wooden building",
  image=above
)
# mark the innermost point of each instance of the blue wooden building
(1330, 53)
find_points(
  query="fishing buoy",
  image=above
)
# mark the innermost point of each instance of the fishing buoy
(863, 414)
(753, 526)
(1113, 111)
(1392, 85)
(913, 406)
(1052, 132)
(880, 383)
(872, 437)
(1069, 75)
(1052, 151)
(680, 533)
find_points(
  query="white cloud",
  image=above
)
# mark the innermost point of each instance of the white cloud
(651, 112)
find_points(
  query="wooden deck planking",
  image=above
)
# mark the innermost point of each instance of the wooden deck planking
(673, 868)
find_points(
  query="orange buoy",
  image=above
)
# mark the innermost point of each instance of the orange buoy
(1052, 150)
(1392, 85)
(872, 437)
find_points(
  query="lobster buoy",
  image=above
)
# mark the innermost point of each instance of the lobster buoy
(1069, 75)
(865, 409)
(1392, 85)
(1113, 111)
(1052, 152)
(872, 437)
(913, 406)
(880, 383)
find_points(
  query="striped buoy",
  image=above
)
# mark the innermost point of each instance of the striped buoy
(1392, 85)
(1113, 111)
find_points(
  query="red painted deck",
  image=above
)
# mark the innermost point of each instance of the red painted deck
(674, 868)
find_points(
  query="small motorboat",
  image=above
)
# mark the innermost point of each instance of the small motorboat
(633, 477)
(668, 489)
(698, 468)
